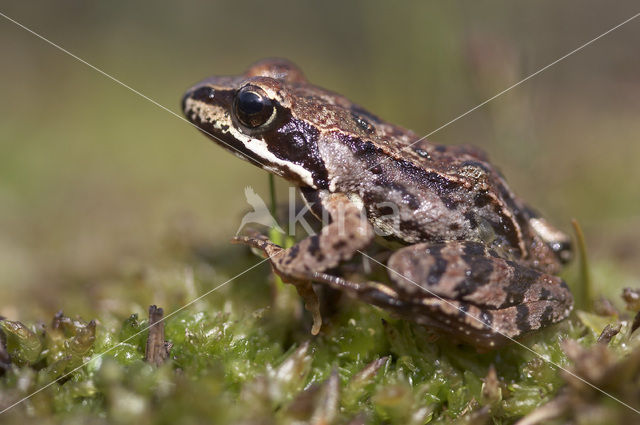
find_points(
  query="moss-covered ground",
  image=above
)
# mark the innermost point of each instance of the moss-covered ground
(244, 354)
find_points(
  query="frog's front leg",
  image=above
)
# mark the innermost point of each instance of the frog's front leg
(467, 290)
(348, 232)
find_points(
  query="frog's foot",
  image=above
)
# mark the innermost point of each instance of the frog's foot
(275, 253)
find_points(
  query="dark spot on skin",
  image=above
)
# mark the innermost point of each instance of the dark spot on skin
(314, 246)
(293, 251)
(440, 148)
(471, 218)
(449, 203)
(473, 249)
(385, 210)
(339, 245)
(522, 318)
(546, 318)
(521, 280)
(481, 199)
(377, 169)
(523, 277)
(468, 286)
(411, 228)
(363, 149)
(545, 294)
(444, 187)
(479, 269)
(454, 227)
(411, 200)
(439, 266)
(441, 183)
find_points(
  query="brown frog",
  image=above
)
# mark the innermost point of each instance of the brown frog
(478, 263)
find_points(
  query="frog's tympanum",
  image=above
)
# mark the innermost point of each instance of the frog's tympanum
(477, 262)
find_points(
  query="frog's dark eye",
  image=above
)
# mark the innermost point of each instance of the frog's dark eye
(253, 107)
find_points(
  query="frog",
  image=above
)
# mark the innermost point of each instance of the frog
(471, 259)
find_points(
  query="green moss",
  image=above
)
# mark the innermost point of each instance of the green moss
(234, 358)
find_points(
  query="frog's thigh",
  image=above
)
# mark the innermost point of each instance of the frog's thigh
(490, 294)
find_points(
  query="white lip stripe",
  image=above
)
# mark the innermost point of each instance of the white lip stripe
(260, 148)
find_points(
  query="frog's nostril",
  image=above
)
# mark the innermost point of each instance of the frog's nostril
(203, 94)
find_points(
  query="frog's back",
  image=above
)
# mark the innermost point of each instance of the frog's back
(413, 190)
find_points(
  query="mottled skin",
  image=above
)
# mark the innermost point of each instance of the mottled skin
(474, 248)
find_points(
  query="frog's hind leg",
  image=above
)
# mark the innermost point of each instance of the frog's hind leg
(467, 290)
(372, 292)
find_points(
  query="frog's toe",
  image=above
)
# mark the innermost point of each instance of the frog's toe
(311, 303)
(251, 238)
(260, 242)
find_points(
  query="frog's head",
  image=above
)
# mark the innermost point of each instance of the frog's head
(272, 117)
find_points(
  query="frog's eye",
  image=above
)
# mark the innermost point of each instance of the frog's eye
(253, 107)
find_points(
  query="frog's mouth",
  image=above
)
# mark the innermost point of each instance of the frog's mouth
(207, 108)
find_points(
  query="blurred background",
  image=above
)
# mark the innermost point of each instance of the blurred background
(94, 178)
